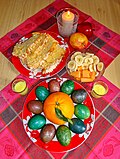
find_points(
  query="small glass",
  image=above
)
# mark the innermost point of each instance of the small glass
(66, 28)
(99, 89)
(20, 86)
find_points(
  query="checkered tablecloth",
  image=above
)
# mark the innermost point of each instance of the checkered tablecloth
(104, 141)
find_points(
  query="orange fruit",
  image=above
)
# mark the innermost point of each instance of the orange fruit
(78, 41)
(61, 101)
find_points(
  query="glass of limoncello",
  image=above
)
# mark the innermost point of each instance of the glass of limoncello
(20, 86)
(100, 88)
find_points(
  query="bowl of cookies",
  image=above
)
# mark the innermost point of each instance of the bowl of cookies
(84, 66)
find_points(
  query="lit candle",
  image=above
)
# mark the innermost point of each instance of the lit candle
(68, 17)
(67, 22)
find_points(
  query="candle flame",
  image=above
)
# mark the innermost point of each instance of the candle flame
(68, 13)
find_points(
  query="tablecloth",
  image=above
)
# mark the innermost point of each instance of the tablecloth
(104, 141)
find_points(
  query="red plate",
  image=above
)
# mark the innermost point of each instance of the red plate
(54, 145)
(37, 74)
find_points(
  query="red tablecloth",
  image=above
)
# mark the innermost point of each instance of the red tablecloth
(104, 141)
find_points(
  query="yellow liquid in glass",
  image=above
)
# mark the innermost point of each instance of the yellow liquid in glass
(99, 89)
(20, 86)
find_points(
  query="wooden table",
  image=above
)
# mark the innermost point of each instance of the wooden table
(15, 12)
